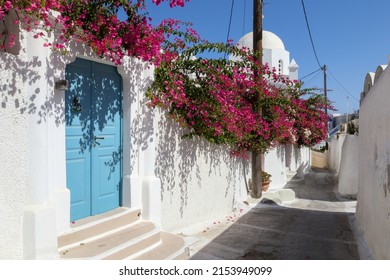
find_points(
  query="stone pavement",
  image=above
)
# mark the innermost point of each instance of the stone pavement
(317, 224)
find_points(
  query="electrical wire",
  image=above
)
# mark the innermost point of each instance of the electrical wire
(343, 87)
(311, 74)
(230, 24)
(311, 38)
(314, 78)
(244, 20)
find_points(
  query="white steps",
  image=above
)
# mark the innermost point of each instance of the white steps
(119, 234)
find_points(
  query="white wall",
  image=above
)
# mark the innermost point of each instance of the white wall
(275, 164)
(286, 158)
(349, 166)
(298, 159)
(31, 120)
(13, 153)
(199, 181)
(373, 207)
(335, 150)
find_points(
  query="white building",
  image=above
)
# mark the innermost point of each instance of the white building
(274, 54)
(82, 169)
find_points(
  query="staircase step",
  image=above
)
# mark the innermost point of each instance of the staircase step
(133, 249)
(171, 247)
(98, 225)
(120, 234)
(100, 248)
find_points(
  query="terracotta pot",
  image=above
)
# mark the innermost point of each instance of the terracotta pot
(265, 186)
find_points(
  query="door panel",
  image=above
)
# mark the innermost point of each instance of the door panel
(93, 137)
(78, 129)
(106, 156)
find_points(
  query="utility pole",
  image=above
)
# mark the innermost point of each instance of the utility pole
(257, 47)
(326, 98)
(325, 89)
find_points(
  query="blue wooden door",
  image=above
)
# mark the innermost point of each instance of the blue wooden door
(93, 137)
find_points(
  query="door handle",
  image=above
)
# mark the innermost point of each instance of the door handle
(97, 138)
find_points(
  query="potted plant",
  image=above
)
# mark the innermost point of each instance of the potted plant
(265, 179)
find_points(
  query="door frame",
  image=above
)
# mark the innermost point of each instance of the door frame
(135, 77)
(121, 125)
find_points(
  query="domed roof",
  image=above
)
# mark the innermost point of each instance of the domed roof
(270, 41)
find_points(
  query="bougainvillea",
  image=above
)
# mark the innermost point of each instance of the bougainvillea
(217, 99)
(213, 98)
(95, 23)
(172, 3)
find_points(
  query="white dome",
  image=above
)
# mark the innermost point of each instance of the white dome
(270, 41)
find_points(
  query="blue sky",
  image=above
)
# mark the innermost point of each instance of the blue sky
(350, 37)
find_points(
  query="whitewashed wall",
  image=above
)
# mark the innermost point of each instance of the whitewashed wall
(13, 152)
(199, 181)
(373, 208)
(335, 151)
(349, 166)
(283, 159)
(298, 159)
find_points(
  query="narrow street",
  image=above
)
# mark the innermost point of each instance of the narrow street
(316, 225)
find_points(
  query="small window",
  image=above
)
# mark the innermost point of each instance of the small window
(280, 67)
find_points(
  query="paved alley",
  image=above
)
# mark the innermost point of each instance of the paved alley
(316, 225)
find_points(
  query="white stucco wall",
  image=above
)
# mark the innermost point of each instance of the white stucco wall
(298, 159)
(349, 166)
(373, 207)
(335, 150)
(13, 155)
(199, 181)
(286, 158)
(275, 164)
(30, 150)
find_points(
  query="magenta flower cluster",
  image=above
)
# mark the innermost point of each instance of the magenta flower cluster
(239, 103)
(172, 3)
(94, 23)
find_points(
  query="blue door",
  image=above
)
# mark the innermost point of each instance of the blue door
(93, 113)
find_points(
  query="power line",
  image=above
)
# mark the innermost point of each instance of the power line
(230, 24)
(230, 20)
(311, 73)
(311, 38)
(314, 78)
(244, 20)
(347, 91)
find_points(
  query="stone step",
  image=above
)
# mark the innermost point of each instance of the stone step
(172, 247)
(98, 225)
(138, 236)
(119, 234)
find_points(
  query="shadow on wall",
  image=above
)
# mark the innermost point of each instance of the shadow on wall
(187, 164)
(141, 127)
(17, 72)
(293, 157)
(280, 151)
(27, 86)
